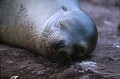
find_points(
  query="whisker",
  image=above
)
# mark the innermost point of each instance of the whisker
(69, 58)
(65, 60)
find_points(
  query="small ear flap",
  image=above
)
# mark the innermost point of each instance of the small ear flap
(63, 23)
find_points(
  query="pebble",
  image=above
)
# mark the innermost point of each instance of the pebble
(119, 27)
(70, 72)
(40, 72)
(14, 77)
(9, 61)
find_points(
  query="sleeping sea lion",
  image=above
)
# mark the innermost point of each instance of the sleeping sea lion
(58, 30)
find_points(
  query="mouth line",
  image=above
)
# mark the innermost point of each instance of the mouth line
(72, 54)
(66, 55)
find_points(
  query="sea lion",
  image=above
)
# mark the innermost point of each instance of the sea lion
(58, 30)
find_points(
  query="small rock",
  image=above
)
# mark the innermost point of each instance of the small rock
(40, 72)
(70, 72)
(22, 66)
(16, 54)
(114, 58)
(9, 61)
(119, 27)
(81, 71)
(14, 77)
(116, 45)
(107, 22)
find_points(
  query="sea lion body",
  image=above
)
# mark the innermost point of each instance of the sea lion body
(52, 28)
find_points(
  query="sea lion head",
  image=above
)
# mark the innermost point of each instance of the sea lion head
(71, 35)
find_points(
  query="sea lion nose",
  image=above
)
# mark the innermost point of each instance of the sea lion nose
(72, 49)
(78, 49)
(59, 44)
(74, 53)
(78, 52)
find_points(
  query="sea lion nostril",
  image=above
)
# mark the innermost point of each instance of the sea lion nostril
(61, 43)
(58, 44)
(79, 51)
(77, 54)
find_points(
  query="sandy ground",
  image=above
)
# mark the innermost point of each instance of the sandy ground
(104, 63)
